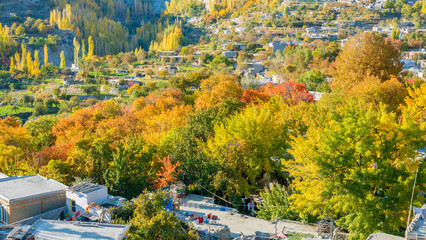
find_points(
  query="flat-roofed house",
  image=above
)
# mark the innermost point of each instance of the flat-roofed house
(25, 197)
(91, 201)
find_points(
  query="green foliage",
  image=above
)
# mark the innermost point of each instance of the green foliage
(20, 31)
(90, 90)
(219, 59)
(275, 200)
(389, 4)
(130, 171)
(9, 110)
(39, 109)
(150, 220)
(40, 130)
(357, 168)
(314, 80)
(247, 145)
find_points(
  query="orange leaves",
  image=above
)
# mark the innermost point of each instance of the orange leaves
(154, 126)
(12, 134)
(254, 96)
(74, 127)
(168, 174)
(291, 92)
(216, 89)
(159, 113)
(363, 55)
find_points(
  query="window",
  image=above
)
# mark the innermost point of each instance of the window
(73, 206)
(3, 214)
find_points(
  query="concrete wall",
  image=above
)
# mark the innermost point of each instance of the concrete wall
(18, 210)
(80, 201)
(98, 195)
(83, 200)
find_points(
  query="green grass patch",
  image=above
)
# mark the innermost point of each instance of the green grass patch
(8, 110)
(190, 68)
(298, 236)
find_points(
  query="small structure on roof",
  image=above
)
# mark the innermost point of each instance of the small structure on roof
(91, 201)
(64, 230)
(25, 197)
(417, 229)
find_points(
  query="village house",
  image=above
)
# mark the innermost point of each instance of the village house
(278, 45)
(172, 70)
(75, 68)
(230, 54)
(25, 197)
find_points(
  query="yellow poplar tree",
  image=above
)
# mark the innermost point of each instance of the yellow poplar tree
(46, 55)
(36, 64)
(91, 48)
(63, 63)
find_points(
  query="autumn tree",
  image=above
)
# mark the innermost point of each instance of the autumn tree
(63, 63)
(76, 50)
(91, 48)
(14, 144)
(291, 92)
(248, 146)
(216, 89)
(46, 55)
(36, 64)
(356, 166)
(168, 173)
(363, 55)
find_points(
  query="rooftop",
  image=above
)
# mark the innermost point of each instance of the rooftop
(16, 188)
(237, 223)
(63, 230)
(383, 236)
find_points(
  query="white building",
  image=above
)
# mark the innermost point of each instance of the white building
(89, 200)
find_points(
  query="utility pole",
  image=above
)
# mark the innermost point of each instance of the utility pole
(276, 225)
(412, 196)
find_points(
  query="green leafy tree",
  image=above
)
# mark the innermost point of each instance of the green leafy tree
(39, 109)
(389, 4)
(40, 130)
(358, 167)
(20, 31)
(130, 171)
(150, 220)
(275, 201)
(314, 80)
(248, 146)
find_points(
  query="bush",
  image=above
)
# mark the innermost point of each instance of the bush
(4, 74)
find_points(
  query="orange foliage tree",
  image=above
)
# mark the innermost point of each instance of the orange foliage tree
(291, 92)
(168, 173)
